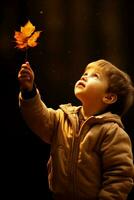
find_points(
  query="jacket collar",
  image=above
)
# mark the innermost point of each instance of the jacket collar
(101, 118)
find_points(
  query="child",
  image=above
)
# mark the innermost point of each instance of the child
(91, 154)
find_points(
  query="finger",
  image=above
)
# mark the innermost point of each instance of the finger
(21, 74)
(23, 77)
(26, 65)
(25, 70)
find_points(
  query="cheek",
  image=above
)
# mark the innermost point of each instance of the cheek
(95, 89)
(92, 87)
(96, 84)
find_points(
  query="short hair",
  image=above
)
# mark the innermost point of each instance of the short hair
(119, 83)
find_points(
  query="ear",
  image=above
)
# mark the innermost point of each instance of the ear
(109, 98)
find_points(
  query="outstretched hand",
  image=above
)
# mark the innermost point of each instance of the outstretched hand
(26, 77)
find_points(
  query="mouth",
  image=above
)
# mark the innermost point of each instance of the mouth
(80, 84)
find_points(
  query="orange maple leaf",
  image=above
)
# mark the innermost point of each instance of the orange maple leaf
(26, 37)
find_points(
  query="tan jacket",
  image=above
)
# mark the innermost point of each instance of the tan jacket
(94, 162)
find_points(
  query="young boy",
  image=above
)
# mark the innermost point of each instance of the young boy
(91, 154)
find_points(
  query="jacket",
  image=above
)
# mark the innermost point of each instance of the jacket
(91, 162)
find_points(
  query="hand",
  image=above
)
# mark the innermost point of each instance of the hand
(26, 77)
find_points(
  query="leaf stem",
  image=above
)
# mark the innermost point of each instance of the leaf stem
(26, 55)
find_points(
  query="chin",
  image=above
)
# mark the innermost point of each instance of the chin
(78, 95)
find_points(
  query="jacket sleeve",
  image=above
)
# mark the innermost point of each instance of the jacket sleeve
(40, 119)
(117, 162)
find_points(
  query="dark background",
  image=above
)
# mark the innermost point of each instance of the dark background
(75, 32)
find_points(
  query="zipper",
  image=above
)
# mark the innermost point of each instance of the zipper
(74, 156)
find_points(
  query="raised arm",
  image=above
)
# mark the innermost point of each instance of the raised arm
(40, 119)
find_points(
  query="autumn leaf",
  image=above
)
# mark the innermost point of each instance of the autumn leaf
(27, 36)
(32, 40)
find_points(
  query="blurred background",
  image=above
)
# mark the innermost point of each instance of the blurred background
(74, 33)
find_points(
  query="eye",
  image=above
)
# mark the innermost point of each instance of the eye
(96, 75)
(85, 74)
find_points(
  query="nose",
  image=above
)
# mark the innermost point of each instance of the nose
(84, 77)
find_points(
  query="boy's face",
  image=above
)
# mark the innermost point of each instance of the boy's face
(92, 85)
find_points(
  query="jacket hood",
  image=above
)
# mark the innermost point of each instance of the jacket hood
(101, 118)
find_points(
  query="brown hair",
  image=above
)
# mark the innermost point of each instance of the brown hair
(119, 83)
